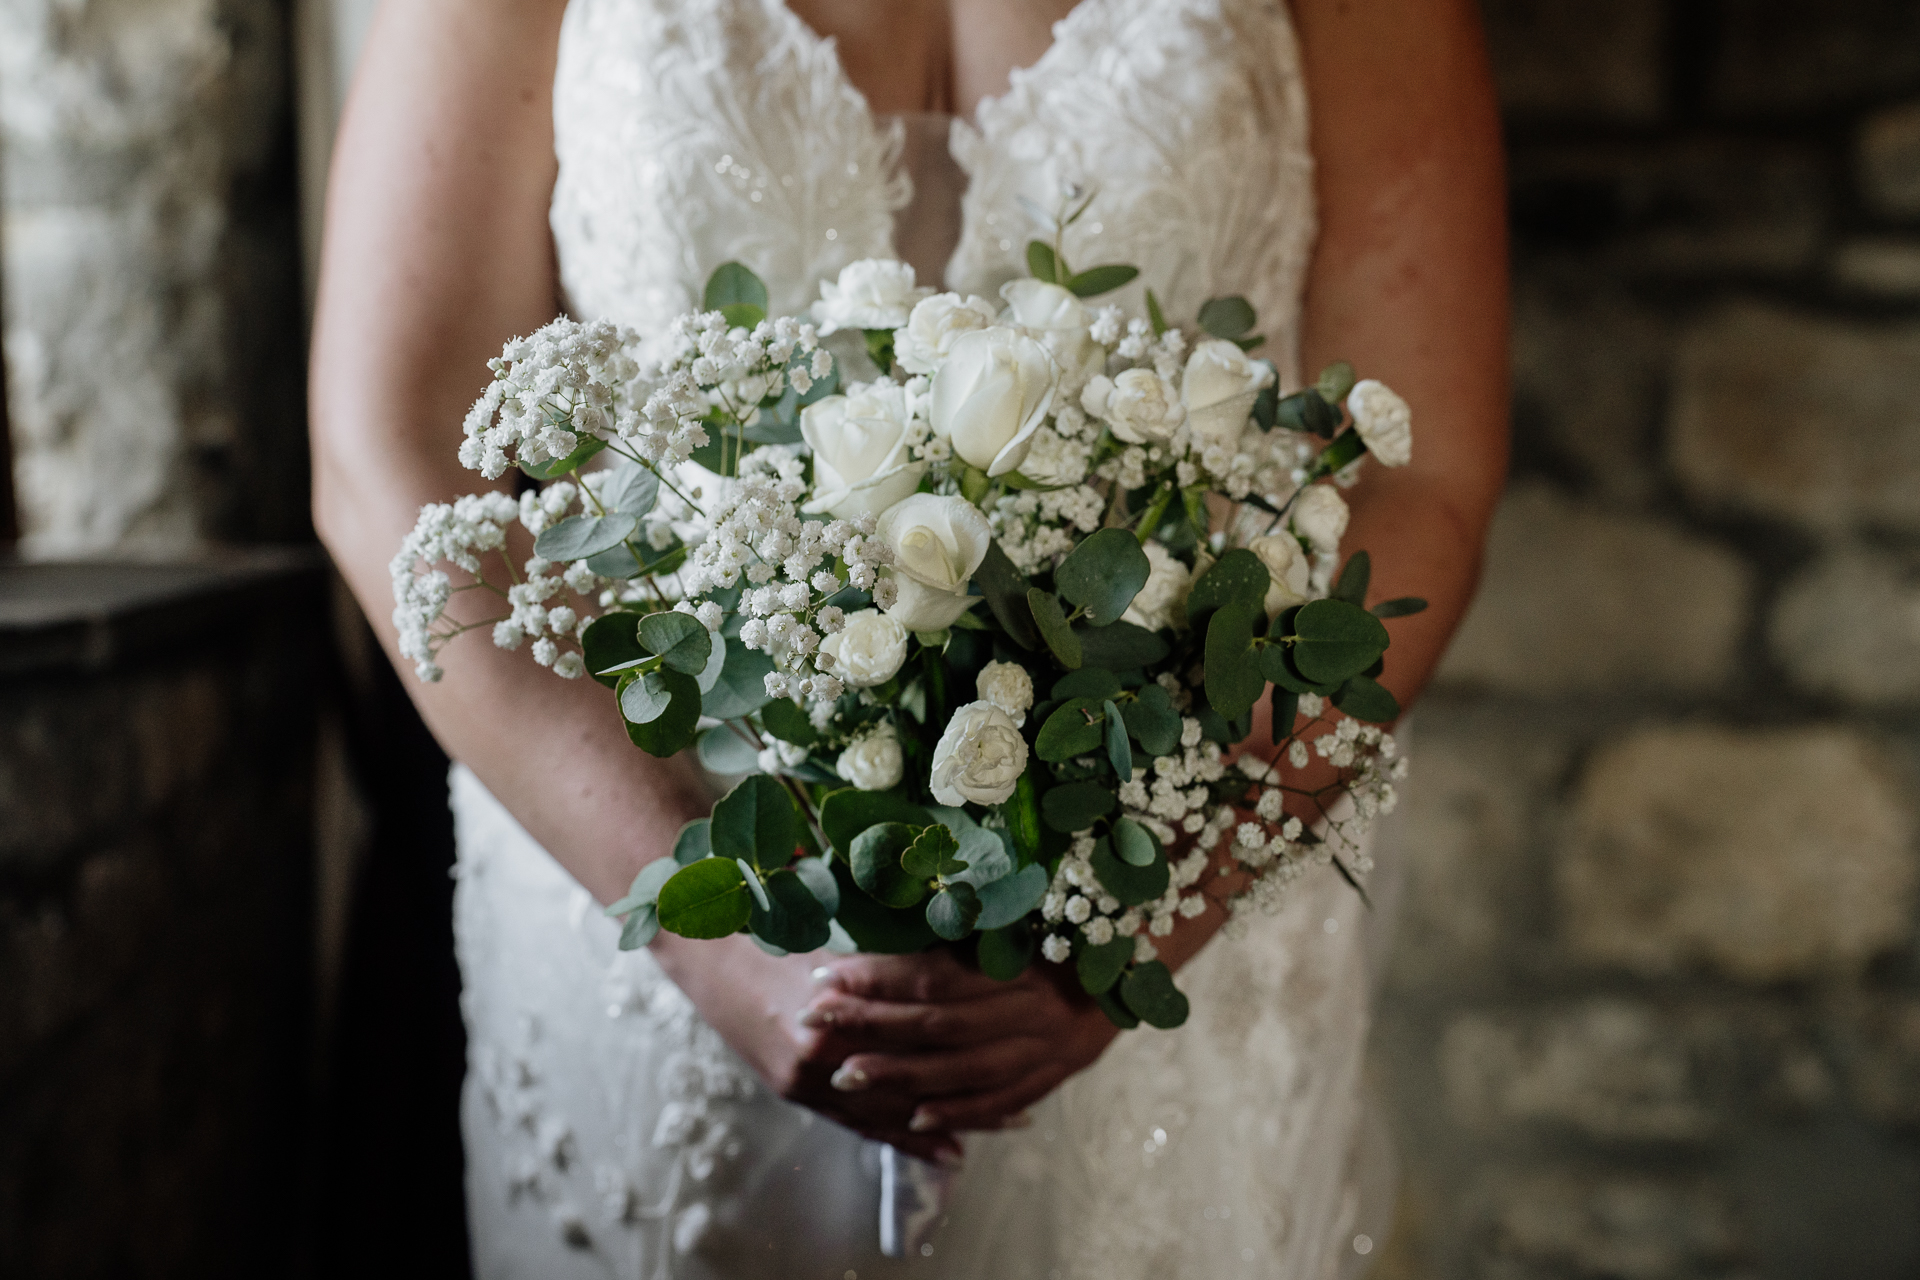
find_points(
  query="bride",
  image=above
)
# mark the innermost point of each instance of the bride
(704, 1109)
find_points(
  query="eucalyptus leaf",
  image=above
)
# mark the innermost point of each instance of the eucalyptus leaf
(1335, 381)
(627, 487)
(645, 698)
(611, 640)
(1117, 1013)
(1231, 317)
(645, 890)
(1022, 810)
(848, 812)
(785, 720)
(1099, 967)
(1119, 646)
(1367, 699)
(578, 537)
(554, 468)
(1233, 679)
(724, 752)
(1005, 952)
(875, 860)
(1005, 589)
(679, 638)
(709, 675)
(876, 929)
(754, 884)
(1119, 753)
(952, 911)
(705, 899)
(1042, 262)
(1239, 575)
(734, 284)
(1336, 640)
(1307, 411)
(1075, 806)
(985, 855)
(1010, 898)
(1072, 730)
(694, 842)
(742, 687)
(817, 875)
(1052, 625)
(1151, 718)
(793, 917)
(1286, 709)
(1134, 845)
(1132, 885)
(1155, 316)
(1399, 607)
(756, 823)
(1095, 281)
(640, 928)
(1103, 574)
(932, 853)
(1149, 993)
(1088, 682)
(1354, 577)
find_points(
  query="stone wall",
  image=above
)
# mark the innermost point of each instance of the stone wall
(1655, 1009)
(153, 330)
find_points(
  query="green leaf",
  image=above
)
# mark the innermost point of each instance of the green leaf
(1149, 993)
(724, 752)
(1006, 591)
(845, 813)
(754, 884)
(786, 721)
(1399, 607)
(1099, 967)
(1119, 754)
(554, 468)
(1132, 885)
(641, 927)
(1041, 261)
(1307, 411)
(1155, 316)
(669, 728)
(875, 860)
(694, 842)
(1231, 317)
(578, 537)
(1095, 281)
(709, 675)
(1337, 640)
(733, 284)
(742, 687)
(682, 643)
(793, 918)
(742, 315)
(611, 640)
(1103, 575)
(1354, 576)
(1117, 1013)
(629, 488)
(1004, 953)
(1239, 575)
(984, 857)
(1367, 699)
(756, 823)
(952, 911)
(1151, 718)
(1286, 709)
(875, 929)
(1022, 810)
(645, 890)
(1119, 646)
(817, 875)
(1233, 678)
(932, 853)
(1088, 682)
(1076, 806)
(1335, 381)
(1053, 628)
(1134, 844)
(705, 899)
(1008, 899)
(1072, 730)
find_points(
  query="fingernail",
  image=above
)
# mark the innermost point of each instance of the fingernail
(814, 1017)
(1021, 1120)
(922, 1121)
(849, 1079)
(822, 976)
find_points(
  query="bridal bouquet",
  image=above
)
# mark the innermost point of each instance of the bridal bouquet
(982, 629)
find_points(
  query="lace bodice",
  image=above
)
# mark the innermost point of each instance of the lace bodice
(691, 132)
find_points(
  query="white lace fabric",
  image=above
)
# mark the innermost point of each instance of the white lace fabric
(609, 1131)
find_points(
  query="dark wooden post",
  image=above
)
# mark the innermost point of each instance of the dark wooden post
(9, 516)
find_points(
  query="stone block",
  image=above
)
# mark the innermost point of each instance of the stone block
(1576, 599)
(1577, 1222)
(1849, 626)
(1889, 161)
(1884, 1067)
(1781, 413)
(1589, 374)
(1691, 208)
(1588, 62)
(1878, 267)
(1765, 855)
(1779, 56)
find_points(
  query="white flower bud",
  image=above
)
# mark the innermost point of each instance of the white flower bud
(930, 331)
(991, 396)
(1320, 516)
(1383, 420)
(1287, 571)
(874, 293)
(873, 762)
(980, 757)
(1219, 387)
(867, 650)
(1007, 686)
(937, 543)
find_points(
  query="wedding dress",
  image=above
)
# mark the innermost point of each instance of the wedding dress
(610, 1132)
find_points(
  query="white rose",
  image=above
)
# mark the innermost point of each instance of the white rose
(1158, 603)
(1061, 321)
(867, 650)
(872, 762)
(1220, 387)
(1287, 571)
(1383, 420)
(990, 396)
(1320, 516)
(934, 324)
(859, 443)
(1053, 461)
(873, 293)
(1141, 406)
(937, 543)
(1007, 686)
(980, 757)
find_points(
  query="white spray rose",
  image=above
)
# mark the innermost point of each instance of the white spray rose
(1159, 602)
(873, 293)
(1383, 420)
(980, 757)
(859, 443)
(1141, 406)
(1062, 322)
(991, 395)
(937, 543)
(1287, 571)
(934, 324)
(867, 650)
(1320, 516)
(1007, 686)
(1220, 387)
(872, 762)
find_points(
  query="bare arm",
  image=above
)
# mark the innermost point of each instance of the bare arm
(1409, 282)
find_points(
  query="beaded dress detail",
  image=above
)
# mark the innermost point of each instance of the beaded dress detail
(610, 1132)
